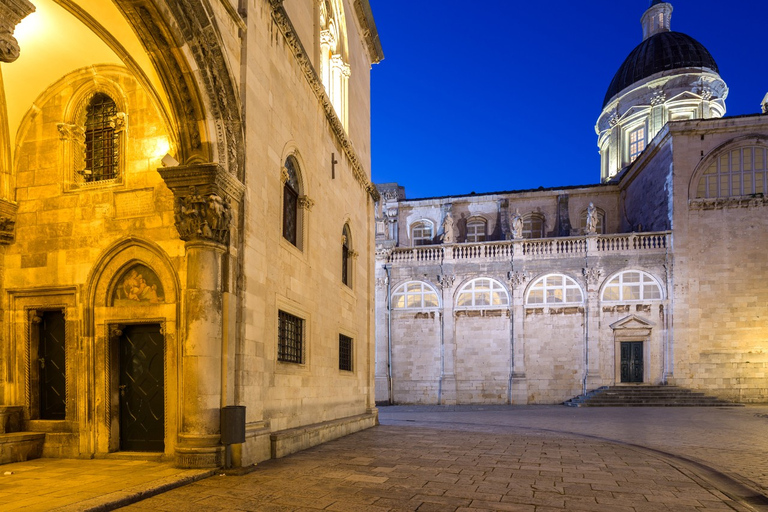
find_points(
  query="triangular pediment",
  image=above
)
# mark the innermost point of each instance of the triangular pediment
(632, 322)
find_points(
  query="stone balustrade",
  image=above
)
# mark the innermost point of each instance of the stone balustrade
(537, 249)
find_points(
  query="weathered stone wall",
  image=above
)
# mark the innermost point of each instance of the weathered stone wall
(416, 357)
(483, 352)
(646, 196)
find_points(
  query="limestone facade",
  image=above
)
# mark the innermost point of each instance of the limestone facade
(151, 247)
(651, 277)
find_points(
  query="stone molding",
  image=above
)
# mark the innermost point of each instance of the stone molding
(592, 275)
(283, 22)
(370, 34)
(205, 196)
(8, 211)
(721, 203)
(11, 13)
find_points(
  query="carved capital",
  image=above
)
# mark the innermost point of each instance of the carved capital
(206, 197)
(658, 96)
(517, 278)
(592, 275)
(119, 122)
(353, 254)
(446, 280)
(305, 203)
(284, 175)
(7, 221)
(11, 13)
(381, 282)
(383, 253)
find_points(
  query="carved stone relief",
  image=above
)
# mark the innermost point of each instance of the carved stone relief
(11, 13)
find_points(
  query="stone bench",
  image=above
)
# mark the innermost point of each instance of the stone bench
(21, 446)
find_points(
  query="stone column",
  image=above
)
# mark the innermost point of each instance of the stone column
(448, 391)
(592, 323)
(207, 198)
(8, 392)
(518, 387)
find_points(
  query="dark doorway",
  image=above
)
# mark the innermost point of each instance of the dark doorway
(51, 357)
(631, 361)
(141, 386)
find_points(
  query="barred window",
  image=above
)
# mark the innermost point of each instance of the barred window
(102, 150)
(291, 202)
(290, 338)
(345, 353)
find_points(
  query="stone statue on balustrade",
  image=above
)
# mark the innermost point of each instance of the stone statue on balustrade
(516, 225)
(591, 227)
(448, 236)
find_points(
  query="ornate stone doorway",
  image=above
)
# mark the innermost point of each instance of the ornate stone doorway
(141, 388)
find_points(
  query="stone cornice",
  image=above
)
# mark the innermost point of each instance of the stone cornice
(11, 13)
(8, 211)
(281, 19)
(721, 203)
(368, 27)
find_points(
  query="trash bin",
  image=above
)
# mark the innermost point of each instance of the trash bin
(233, 424)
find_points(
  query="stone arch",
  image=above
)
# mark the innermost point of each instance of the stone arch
(200, 92)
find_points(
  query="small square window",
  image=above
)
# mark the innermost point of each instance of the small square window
(345, 353)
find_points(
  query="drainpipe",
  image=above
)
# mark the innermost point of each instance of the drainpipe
(388, 268)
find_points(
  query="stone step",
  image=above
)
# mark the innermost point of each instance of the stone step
(646, 396)
(11, 418)
(21, 446)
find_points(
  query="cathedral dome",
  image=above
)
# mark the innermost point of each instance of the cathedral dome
(663, 51)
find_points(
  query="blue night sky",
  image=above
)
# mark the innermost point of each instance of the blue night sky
(504, 95)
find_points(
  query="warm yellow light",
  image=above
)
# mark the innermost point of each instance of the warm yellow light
(33, 24)
(158, 147)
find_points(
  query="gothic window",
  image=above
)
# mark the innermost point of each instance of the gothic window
(415, 295)
(554, 289)
(346, 255)
(345, 353)
(291, 214)
(290, 338)
(476, 230)
(600, 225)
(738, 172)
(533, 226)
(482, 292)
(636, 143)
(334, 66)
(102, 148)
(631, 285)
(422, 233)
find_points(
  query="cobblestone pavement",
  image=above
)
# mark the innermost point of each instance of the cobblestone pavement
(538, 459)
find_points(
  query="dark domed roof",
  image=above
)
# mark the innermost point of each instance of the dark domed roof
(661, 52)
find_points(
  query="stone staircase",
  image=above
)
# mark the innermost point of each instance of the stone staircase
(17, 446)
(646, 396)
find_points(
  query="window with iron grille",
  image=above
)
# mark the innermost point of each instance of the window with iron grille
(290, 338)
(102, 150)
(291, 202)
(345, 353)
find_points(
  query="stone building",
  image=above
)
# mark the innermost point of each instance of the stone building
(185, 216)
(652, 276)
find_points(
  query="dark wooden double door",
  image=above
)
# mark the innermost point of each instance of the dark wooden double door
(631, 361)
(141, 388)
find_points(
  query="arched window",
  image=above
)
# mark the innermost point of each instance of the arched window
(422, 233)
(415, 295)
(631, 285)
(554, 289)
(346, 257)
(600, 225)
(533, 226)
(482, 292)
(291, 201)
(735, 173)
(102, 148)
(476, 229)
(334, 62)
